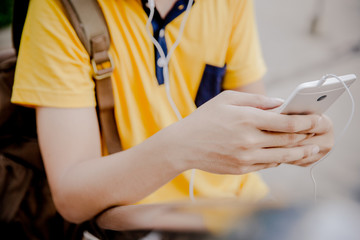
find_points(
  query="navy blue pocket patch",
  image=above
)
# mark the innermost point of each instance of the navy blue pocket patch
(211, 84)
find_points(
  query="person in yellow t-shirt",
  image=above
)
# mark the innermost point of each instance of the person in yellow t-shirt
(226, 135)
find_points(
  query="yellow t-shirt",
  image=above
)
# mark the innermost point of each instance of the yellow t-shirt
(219, 48)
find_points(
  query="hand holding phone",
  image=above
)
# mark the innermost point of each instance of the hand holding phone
(312, 97)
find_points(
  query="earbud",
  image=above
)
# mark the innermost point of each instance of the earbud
(151, 4)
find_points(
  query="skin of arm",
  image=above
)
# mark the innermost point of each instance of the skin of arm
(83, 183)
(75, 123)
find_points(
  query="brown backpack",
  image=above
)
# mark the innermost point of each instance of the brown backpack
(26, 207)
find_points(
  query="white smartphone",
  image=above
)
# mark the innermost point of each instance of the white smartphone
(310, 98)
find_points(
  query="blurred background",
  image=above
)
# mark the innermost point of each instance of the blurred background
(6, 7)
(301, 41)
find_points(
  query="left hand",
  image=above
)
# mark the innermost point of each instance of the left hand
(323, 136)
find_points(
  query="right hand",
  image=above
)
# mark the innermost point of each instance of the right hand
(233, 134)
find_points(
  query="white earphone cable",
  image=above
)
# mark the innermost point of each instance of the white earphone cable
(164, 61)
(323, 79)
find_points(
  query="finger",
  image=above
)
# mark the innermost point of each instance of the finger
(279, 155)
(250, 100)
(308, 161)
(258, 167)
(275, 122)
(323, 125)
(274, 139)
(324, 141)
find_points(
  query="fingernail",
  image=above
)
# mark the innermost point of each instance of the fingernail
(315, 150)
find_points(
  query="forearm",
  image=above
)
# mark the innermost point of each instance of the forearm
(119, 179)
(82, 182)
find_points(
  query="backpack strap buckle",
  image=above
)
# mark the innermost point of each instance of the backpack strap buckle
(103, 65)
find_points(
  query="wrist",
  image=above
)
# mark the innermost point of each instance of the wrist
(162, 149)
(173, 147)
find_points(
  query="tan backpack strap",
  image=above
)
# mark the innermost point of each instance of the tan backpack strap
(89, 23)
(103, 68)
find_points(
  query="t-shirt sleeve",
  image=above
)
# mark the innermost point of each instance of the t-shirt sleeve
(53, 68)
(244, 61)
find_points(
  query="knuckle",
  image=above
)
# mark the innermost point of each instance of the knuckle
(292, 138)
(260, 99)
(250, 142)
(307, 152)
(291, 125)
(244, 158)
(287, 157)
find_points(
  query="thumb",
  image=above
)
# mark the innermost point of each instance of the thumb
(251, 100)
